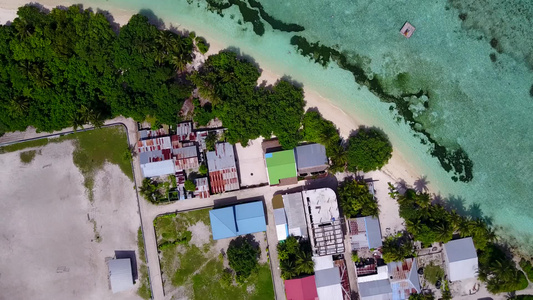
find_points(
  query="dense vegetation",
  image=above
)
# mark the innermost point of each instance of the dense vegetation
(527, 268)
(397, 248)
(499, 271)
(246, 110)
(421, 297)
(319, 130)
(433, 273)
(68, 66)
(356, 200)
(369, 149)
(429, 223)
(243, 258)
(295, 257)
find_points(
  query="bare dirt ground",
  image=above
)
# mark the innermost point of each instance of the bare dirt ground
(48, 248)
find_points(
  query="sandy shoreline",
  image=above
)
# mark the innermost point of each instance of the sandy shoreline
(398, 168)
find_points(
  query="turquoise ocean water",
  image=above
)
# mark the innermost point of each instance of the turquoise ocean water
(473, 58)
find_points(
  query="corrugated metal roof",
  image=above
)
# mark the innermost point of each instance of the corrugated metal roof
(327, 277)
(154, 144)
(237, 220)
(461, 249)
(369, 290)
(301, 289)
(294, 209)
(158, 168)
(120, 275)
(280, 165)
(373, 232)
(311, 156)
(404, 279)
(222, 158)
(279, 216)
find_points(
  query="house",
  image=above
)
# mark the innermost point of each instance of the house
(155, 157)
(294, 209)
(311, 159)
(322, 213)
(365, 233)
(150, 134)
(202, 188)
(222, 168)
(375, 290)
(280, 218)
(461, 259)
(237, 220)
(281, 167)
(184, 132)
(403, 278)
(327, 278)
(301, 289)
(120, 275)
(185, 158)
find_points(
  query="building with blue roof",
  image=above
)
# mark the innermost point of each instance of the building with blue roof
(237, 220)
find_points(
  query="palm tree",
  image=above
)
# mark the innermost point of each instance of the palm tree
(288, 270)
(18, 106)
(304, 263)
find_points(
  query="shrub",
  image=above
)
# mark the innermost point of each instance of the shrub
(433, 273)
(243, 258)
(150, 190)
(202, 45)
(356, 200)
(368, 150)
(189, 185)
(397, 248)
(211, 140)
(203, 170)
(355, 257)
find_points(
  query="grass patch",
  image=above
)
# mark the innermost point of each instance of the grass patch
(527, 268)
(92, 149)
(144, 287)
(27, 157)
(200, 272)
(433, 273)
(24, 145)
(140, 245)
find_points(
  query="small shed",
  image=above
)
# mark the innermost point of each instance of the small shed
(281, 224)
(461, 259)
(120, 275)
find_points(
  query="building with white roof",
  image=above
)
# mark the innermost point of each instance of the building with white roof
(322, 212)
(295, 211)
(461, 259)
(120, 275)
(281, 223)
(328, 284)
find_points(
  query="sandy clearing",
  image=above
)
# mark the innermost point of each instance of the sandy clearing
(44, 226)
(201, 234)
(251, 164)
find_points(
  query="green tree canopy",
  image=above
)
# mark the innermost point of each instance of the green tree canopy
(246, 110)
(319, 130)
(368, 150)
(397, 248)
(68, 68)
(295, 257)
(356, 200)
(243, 258)
(499, 271)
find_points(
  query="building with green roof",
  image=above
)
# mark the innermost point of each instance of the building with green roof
(281, 167)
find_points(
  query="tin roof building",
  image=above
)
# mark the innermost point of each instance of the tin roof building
(281, 223)
(365, 233)
(327, 278)
(403, 278)
(375, 290)
(120, 275)
(223, 174)
(295, 211)
(237, 220)
(461, 259)
(202, 188)
(311, 159)
(155, 157)
(281, 167)
(301, 289)
(185, 158)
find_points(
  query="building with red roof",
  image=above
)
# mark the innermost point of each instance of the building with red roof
(301, 288)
